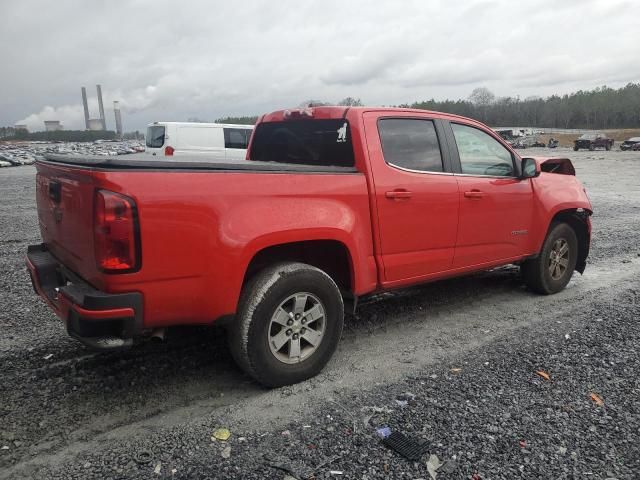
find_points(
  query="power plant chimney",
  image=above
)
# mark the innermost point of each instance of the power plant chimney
(101, 107)
(86, 108)
(116, 112)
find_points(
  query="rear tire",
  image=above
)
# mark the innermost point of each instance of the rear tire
(575, 149)
(283, 311)
(552, 269)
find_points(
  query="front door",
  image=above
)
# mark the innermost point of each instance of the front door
(416, 196)
(496, 206)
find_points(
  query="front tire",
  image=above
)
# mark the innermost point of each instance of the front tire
(551, 271)
(575, 148)
(288, 325)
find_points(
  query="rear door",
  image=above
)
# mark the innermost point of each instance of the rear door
(496, 206)
(415, 193)
(154, 139)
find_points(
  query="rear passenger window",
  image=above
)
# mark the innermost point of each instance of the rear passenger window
(410, 143)
(237, 137)
(480, 153)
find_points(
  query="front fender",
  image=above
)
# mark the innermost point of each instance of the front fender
(554, 194)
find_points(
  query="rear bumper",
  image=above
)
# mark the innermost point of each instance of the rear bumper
(100, 320)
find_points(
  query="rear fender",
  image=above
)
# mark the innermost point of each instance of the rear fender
(292, 220)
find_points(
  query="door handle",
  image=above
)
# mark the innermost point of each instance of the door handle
(474, 194)
(393, 194)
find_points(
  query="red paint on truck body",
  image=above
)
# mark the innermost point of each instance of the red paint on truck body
(199, 230)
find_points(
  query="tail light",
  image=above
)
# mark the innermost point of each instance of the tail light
(116, 233)
(168, 151)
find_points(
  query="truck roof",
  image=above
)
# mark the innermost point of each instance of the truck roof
(336, 112)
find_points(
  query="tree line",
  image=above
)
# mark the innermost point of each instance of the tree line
(600, 108)
(597, 109)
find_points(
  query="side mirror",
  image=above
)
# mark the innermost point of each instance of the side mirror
(530, 168)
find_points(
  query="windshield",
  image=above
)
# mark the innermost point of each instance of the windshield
(155, 136)
(588, 136)
(307, 142)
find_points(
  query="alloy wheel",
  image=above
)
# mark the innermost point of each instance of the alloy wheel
(559, 259)
(297, 327)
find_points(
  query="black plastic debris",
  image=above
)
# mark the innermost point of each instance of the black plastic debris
(143, 457)
(410, 449)
(296, 469)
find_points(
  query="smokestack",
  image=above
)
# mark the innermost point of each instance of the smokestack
(116, 112)
(101, 107)
(86, 108)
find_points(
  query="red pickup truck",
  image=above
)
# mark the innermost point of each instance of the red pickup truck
(331, 204)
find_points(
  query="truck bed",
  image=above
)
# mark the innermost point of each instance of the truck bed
(200, 223)
(188, 162)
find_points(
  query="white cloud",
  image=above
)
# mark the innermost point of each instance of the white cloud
(70, 116)
(204, 59)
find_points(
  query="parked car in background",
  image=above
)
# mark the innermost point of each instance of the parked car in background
(217, 141)
(591, 141)
(632, 143)
(527, 141)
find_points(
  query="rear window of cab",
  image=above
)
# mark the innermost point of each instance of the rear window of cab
(304, 142)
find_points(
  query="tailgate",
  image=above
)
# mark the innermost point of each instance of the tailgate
(64, 197)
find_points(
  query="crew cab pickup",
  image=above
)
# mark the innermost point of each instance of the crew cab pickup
(591, 141)
(330, 205)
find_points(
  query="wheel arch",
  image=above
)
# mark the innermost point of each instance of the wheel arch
(329, 255)
(578, 220)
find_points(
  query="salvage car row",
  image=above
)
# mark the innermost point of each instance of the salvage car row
(26, 153)
(587, 141)
(591, 141)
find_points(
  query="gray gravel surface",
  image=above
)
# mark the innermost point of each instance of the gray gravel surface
(68, 412)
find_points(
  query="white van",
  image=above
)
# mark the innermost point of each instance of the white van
(218, 141)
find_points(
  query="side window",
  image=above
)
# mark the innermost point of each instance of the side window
(481, 154)
(236, 137)
(410, 143)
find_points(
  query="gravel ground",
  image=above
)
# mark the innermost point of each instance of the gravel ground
(462, 354)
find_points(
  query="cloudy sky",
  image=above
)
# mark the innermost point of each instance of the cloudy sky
(207, 59)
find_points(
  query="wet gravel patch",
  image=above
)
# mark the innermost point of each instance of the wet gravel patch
(486, 414)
